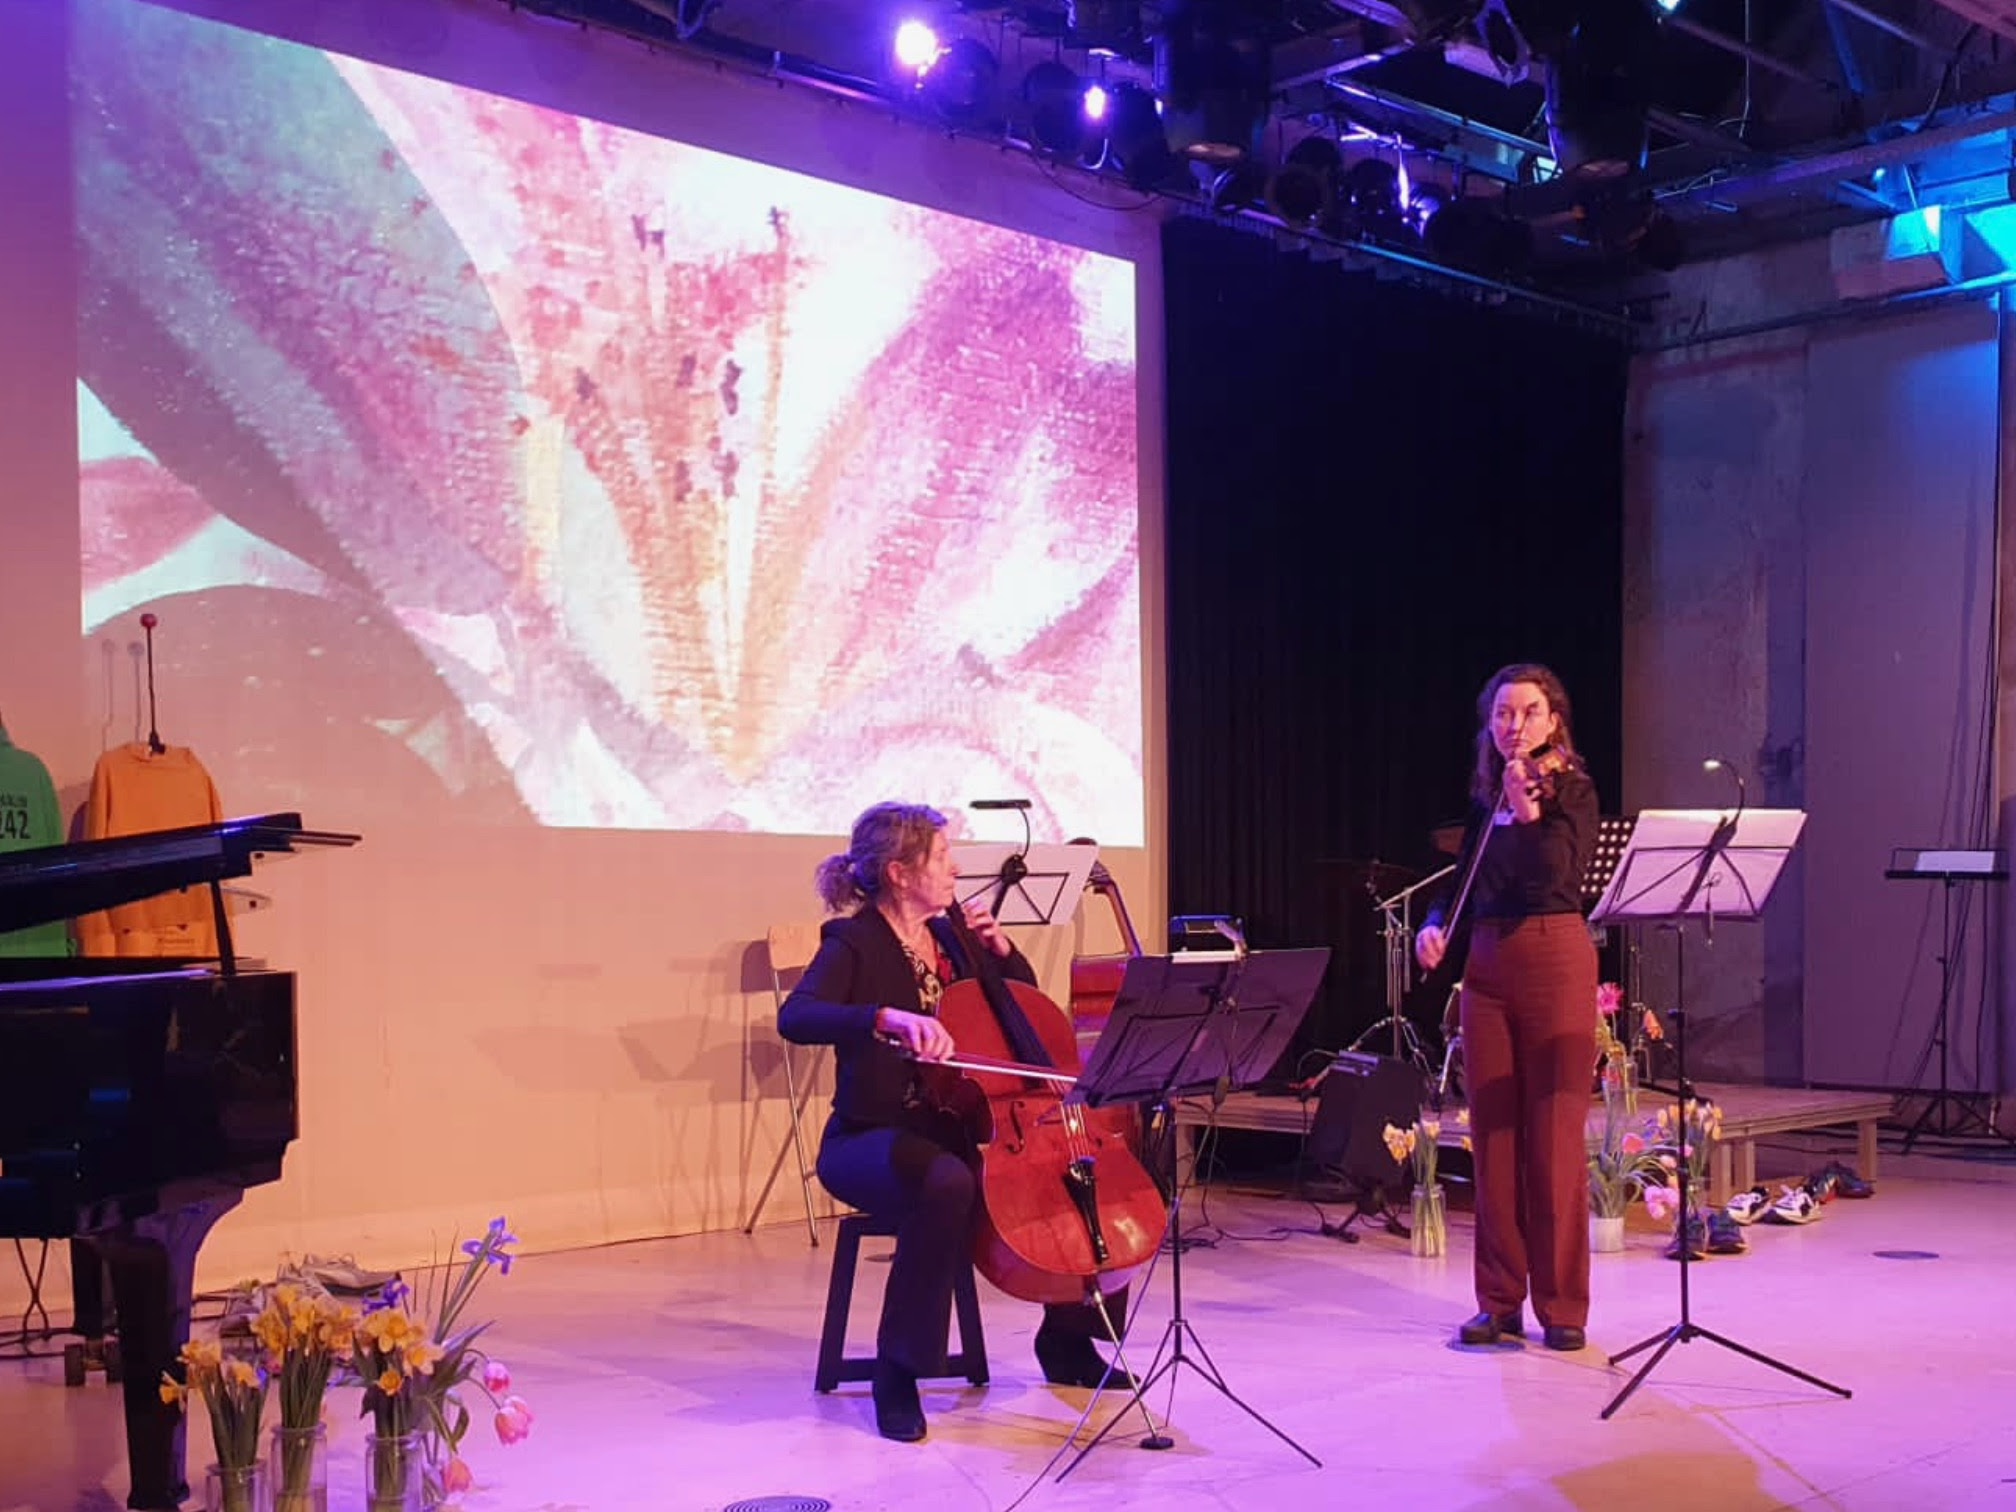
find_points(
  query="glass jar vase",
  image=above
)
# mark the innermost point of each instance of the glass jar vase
(394, 1473)
(298, 1469)
(1429, 1234)
(237, 1488)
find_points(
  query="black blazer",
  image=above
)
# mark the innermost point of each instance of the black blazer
(860, 967)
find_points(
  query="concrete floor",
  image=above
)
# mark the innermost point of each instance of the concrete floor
(677, 1375)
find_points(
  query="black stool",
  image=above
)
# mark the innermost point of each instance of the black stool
(836, 1365)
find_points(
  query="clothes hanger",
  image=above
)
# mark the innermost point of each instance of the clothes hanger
(147, 623)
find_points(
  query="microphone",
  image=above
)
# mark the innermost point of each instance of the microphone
(999, 803)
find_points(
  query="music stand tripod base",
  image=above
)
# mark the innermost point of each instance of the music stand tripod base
(1681, 864)
(1182, 1028)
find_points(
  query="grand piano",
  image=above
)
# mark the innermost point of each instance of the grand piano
(139, 1098)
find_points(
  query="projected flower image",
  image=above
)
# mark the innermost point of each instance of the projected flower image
(517, 462)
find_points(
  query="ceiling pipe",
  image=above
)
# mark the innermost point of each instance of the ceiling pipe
(1373, 95)
(1765, 60)
(1829, 314)
(1883, 23)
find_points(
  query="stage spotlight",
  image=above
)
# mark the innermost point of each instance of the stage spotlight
(1504, 43)
(1436, 20)
(960, 84)
(1372, 189)
(1134, 135)
(1598, 93)
(1096, 103)
(1055, 99)
(1303, 190)
(916, 46)
(1634, 226)
(1242, 186)
(1212, 73)
(1547, 25)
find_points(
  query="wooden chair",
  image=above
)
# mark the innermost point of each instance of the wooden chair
(791, 947)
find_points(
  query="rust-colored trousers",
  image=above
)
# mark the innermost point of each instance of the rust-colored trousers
(1529, 1025)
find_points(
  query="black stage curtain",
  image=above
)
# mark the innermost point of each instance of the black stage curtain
(1378, 494)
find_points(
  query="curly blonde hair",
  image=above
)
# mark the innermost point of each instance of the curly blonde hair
(886, 832)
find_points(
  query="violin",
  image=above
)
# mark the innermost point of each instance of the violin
(1064, 1206)
(1543, 764)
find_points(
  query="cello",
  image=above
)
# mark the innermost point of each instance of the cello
(1064, 1207)
(1095, 980)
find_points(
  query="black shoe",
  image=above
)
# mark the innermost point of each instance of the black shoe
(1486, 1329)
(1072, 1361)
(1563, 1336)
(898, 1413)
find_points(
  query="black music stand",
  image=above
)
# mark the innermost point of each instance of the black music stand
(1023, 884)
(1683, 864)
(1949, 868)
(1203, 1022)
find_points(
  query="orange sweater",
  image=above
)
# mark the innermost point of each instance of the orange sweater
(134, 791)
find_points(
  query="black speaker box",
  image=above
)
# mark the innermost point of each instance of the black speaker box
(1358, 1099)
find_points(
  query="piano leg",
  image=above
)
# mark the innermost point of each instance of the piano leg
(152, 1264)
(87, 1290)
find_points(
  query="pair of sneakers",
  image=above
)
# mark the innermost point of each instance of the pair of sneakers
(1715, 1233)
(1794, 1204)
(1837, 1180)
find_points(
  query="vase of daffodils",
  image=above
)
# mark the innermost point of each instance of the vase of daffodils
(233, 1391)
(305, 1334)
(1428, 1233)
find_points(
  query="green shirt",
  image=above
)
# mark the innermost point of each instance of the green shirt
(29, 817)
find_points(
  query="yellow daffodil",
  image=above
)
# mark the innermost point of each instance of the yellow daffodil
(389, 1381)
(420, 1357)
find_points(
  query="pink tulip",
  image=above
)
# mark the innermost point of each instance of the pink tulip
(456, 1478)
(496, 1377)
(514, 1420)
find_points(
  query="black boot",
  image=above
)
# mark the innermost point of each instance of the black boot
(898, 1413)
(1071, 1360)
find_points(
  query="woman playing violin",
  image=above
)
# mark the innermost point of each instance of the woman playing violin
(871, 992)
(1529, 993)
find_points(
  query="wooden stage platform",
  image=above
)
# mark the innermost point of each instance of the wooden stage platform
(1748, 1114)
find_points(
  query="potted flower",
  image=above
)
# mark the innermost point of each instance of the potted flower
(1622, 1163)
(234, 1392)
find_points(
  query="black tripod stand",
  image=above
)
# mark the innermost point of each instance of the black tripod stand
(1949, 869)
(1181, 1027)
(1683, 858)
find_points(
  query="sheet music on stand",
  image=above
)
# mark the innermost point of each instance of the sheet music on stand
(1612, 836)
(1663, 875)
(1043, 882)
(1161, 1039)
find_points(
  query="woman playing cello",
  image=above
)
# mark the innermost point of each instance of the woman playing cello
(872, 992)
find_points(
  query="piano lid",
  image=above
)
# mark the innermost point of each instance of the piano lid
(63, 881)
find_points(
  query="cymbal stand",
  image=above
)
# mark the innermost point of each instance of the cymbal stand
(1397, 932)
